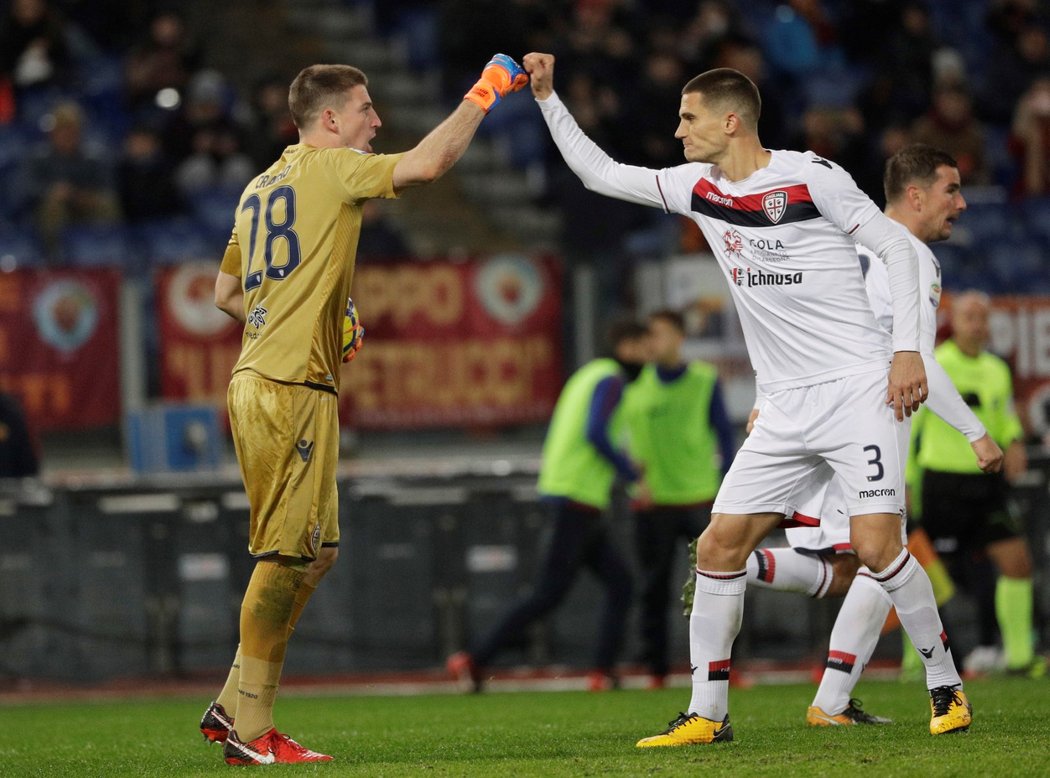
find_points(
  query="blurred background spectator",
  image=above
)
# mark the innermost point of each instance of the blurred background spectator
(33, 48)
(1030, 139)
(64, 182)
(951, 125)
(145, 177)
(165, 59)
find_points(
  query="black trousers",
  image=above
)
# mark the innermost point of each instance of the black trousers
(662, 534)
(579, 540)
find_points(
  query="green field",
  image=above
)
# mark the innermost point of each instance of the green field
(545, 734)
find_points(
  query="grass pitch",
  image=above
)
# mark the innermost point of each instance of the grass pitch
(545, 734)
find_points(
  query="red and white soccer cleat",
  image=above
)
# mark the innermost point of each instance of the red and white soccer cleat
(271, 747)
(216, 724)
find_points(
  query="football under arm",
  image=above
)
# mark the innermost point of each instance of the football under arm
(596, 169)
(902, 267)
(945, 401)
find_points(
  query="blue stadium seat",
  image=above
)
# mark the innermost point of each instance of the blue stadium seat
(955, 261)
(984, 223)
(177, 240)
(91, 245)
(1017, 265)
(1036, 214)
(214, 210)
(19, 248)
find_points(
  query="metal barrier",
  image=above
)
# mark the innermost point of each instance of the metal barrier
(145, 577)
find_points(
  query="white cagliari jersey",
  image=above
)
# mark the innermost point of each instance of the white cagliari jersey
(782, 237)
(944, 399)
(877, 284)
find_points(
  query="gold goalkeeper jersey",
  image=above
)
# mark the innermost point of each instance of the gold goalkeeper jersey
(301, 221)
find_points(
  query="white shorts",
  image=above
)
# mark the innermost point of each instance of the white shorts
(805, 437)
(820, 522)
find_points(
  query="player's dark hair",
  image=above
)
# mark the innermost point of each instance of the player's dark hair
(671, 316)
(319, 86)
(623, 330)
(915, 164)
(731, 90)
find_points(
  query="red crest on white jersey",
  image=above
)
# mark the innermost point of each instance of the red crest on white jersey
(774, 204)
(734, 244)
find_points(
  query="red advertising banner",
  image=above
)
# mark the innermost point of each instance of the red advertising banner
(1020, 333)
(456, 343)
(199, 344)
(447, 343)
(59, 349)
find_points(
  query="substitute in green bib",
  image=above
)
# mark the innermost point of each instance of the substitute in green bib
(964, 510)
(582, 458)
(682, 438)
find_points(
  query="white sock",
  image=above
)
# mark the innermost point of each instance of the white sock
(786, 570)
(853, 640)
(909, 587)
(718, 608)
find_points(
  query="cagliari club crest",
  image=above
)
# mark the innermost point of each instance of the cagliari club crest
(774, 204)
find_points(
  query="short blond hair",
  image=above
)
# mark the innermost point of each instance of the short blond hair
(319, 86)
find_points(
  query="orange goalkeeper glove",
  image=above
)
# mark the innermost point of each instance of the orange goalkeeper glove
(353, 332)
(501, 76)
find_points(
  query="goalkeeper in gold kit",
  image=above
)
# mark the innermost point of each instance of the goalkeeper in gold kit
(286, 274)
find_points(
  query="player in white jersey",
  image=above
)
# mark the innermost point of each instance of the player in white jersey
(924, 197)
(782, 226)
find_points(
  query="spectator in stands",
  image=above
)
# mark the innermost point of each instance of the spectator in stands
(273, 128)
(800, 40)
(833, 133)
(950, 125)
(65, 183)
(145, 179)
(600, 40)
(18, 457)
(741, 53)
(33, 48)
(598, 225)
(205, 140)
(903, 81)
(657, 93)
(1030, 140)
(165, 60)
(1022, 54)
(869, 172)
(712, 22)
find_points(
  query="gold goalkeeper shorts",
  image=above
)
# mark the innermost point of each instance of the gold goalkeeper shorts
(287, 442)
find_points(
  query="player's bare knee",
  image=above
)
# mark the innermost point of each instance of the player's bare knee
(875, 549)
(718, 550)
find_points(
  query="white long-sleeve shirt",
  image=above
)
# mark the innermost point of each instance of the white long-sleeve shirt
(944, 398)
(785, 238)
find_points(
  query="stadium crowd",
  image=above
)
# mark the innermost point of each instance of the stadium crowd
(852, 81)
(118, 139)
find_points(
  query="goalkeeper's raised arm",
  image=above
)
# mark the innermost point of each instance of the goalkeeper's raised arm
(596, 169)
